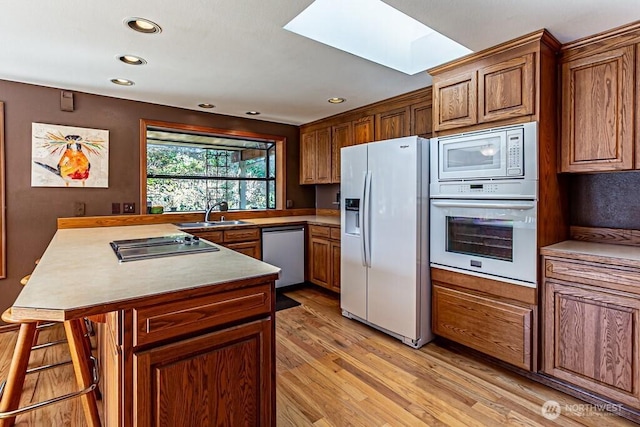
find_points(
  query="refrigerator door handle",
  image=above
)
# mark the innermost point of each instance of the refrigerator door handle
(366, 220)
(361, 215)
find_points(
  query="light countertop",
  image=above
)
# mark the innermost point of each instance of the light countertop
(286, 220)
(598, 252)
(80, 272)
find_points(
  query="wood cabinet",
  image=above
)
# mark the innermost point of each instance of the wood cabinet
(315, 156)
(498, 86)
(345, 135)
(600, 98)
(245, 240)
(455, 100)
(221, 378)
(324, 256)
(394, 123)
(404, 115)
(591, 315)
(200, 357)
(422, 119)
(474, 311)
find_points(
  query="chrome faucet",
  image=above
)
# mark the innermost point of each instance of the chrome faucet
(223, 206)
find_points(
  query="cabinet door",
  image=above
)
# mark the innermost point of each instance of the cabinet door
(319, 262)
(334, 249)
(422, 119)
(308, 158)
(455, 101)
(341, 136)
(323, 156)
(363, 130)
(592, 339)
(393, 124)
(223, 378)
(598, 112)
(507, 89)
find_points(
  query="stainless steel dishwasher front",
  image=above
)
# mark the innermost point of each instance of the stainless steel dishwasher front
(283, 247)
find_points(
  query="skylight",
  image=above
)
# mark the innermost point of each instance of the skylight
(373, 30)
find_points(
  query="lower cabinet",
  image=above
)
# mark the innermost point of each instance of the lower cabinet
(245, 240)
(324, 256)
(591, 331)
(497, 326)
(211, 380)
(193, 360)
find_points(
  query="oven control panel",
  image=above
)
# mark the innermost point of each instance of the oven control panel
(491, 189)
(515, 153)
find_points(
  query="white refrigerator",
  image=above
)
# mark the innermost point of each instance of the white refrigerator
(384, 262)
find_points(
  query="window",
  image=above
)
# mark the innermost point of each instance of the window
(189, 168)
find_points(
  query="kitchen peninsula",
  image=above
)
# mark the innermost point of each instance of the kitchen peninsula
(170, 322)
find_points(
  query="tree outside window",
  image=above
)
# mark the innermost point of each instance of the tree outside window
(190, 171)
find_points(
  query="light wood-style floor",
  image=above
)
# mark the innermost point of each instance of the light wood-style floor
(332, 371)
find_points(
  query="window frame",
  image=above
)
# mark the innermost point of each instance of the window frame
(280, 147)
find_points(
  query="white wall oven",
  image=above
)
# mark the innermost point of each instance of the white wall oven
(494, 237)
(484, 204)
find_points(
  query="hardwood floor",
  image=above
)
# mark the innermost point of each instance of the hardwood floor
(332, 371)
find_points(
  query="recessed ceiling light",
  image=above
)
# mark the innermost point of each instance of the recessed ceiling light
(132, 60)
(122, 82)
(142, 25)
(253, 113)
(336, 100)
(206, 105)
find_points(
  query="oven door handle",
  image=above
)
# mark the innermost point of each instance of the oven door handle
(484, 205)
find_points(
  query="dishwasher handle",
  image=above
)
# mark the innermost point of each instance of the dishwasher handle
(281, 229)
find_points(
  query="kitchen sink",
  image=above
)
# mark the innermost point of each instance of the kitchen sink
(207, 224)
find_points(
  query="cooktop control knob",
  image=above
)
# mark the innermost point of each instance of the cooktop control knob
(196, 240)
(187, 240)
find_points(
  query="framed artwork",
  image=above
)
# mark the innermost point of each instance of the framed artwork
(65, 156)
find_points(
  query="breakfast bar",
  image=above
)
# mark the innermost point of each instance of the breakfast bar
(188, 339)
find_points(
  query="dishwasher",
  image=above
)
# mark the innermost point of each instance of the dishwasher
(283, 247)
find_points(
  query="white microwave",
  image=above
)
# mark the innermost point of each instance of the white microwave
(500, 153)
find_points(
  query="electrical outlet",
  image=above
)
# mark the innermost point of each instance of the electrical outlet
(128, 207)
(115, 208)
(78, 209)
(289, 204)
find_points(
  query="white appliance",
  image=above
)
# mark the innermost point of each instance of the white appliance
(488, 237)
(499, 163)
(284, 248)
(384, 230)
(484, 203)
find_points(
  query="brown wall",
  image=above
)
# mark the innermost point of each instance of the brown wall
(32, 212)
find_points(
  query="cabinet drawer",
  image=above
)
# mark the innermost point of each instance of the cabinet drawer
(251, 249)
(163, 321)
(335, 233)
(593, 274)
(212, 236)
(319, 231)
(498, 329)
(241, 235)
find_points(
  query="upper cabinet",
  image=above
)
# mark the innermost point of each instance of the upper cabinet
(494, 87)
(315, 156)
(321, 141)
(599, 101)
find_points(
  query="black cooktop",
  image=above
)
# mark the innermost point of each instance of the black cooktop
(156, 247)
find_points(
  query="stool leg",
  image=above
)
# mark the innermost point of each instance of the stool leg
(17, 372)
(75, 336)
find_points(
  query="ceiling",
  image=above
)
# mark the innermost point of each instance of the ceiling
(235, 54)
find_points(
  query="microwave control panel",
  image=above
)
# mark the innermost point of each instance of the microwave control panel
(515, 151)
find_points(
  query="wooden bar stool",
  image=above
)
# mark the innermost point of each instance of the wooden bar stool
(86, 373)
